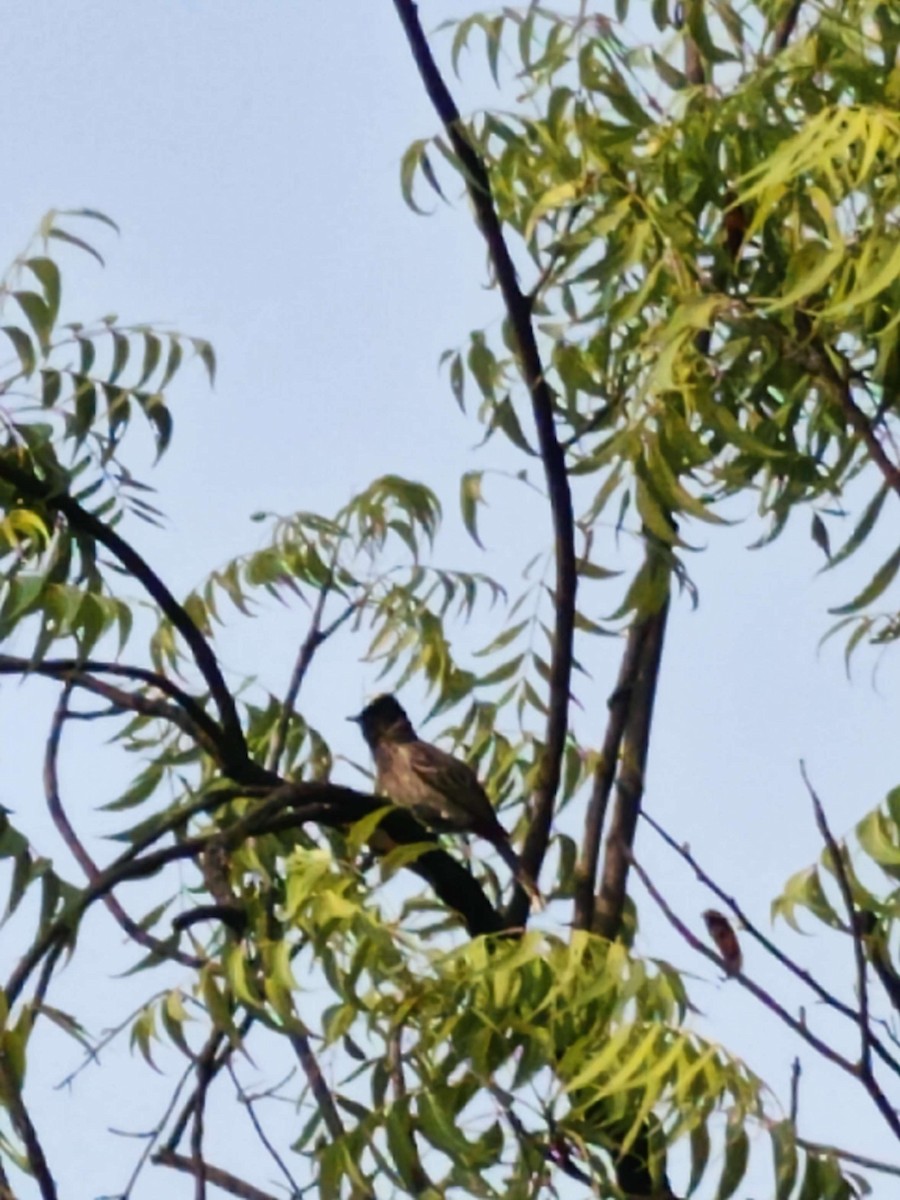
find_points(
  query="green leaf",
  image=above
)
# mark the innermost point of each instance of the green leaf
(880, 581)
(784, 1151)
(61, 235)
(207, 356)
(864, 527)
(39, 315)
(737, 1155)
(23, 346)
(47, 272)
(878, 837)
(700, 1147)
(470, 497)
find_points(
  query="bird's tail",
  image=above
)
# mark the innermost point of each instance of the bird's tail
(521, 875)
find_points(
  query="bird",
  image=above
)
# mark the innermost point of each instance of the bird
(441, 791)
(721, 932)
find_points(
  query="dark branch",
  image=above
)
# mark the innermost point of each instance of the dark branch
(856, 928)
(799, 1027)
(518, 310)
(786, 26)
(234, 746)
(64, 668)
(24, 1127)
(753, 931)
(289, 807)
(214, 1175)
(630, 780)
(604, 776)
(80, 854)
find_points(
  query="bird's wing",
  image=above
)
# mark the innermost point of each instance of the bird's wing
(440, 769)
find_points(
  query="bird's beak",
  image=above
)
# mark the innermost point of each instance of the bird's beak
(356, 719)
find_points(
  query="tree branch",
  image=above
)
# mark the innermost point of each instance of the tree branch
(856, 930)
(234, 747)
(635, 745)
(214, 1175)
(63, 668)
(24, 1127)
(317, 1085)
(289, 807)
(518, 311)
(786, 26)
(260, 1131)
(827, 1052)
(604, 776)
(80, 854)
(748, 927)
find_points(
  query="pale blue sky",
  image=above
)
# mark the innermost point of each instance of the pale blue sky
(250, 154)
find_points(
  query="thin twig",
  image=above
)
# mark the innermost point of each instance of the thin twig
(748, 927)
(147, 1151)
(859, 952)
(315, 636)
(319, 1088)
(146, 706)
(214, 1055)
(519, 314)
(861, 1160)
(24, 1127)
(827, 1052)
(62, 667)
(198, 1163)
(92, 1052)
(260, 1131)
(794, 1110)
(214, 1175)
(233, 744)
(80, 854)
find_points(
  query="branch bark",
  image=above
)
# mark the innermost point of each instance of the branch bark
(619, 704)
(635, 744)
(234, 746)
(519, 315)
(80, 854)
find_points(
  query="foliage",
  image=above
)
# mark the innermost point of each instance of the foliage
(707, 223)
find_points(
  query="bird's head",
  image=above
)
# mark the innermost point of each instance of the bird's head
(384, 718)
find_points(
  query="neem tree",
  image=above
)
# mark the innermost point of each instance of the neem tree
(695, 246)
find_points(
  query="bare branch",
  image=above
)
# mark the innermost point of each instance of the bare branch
(879, 1099)
(260, 1132)
(147, 1151)
(861, 1160)
(856, 929)
(311, 643)
(769, 946)
(317, 1085)
(635, 745)
(233, 745)
(604, 776)
(215, 1175)
(80, 854)
(24, 1127)
(518, 311)
(65, 668)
